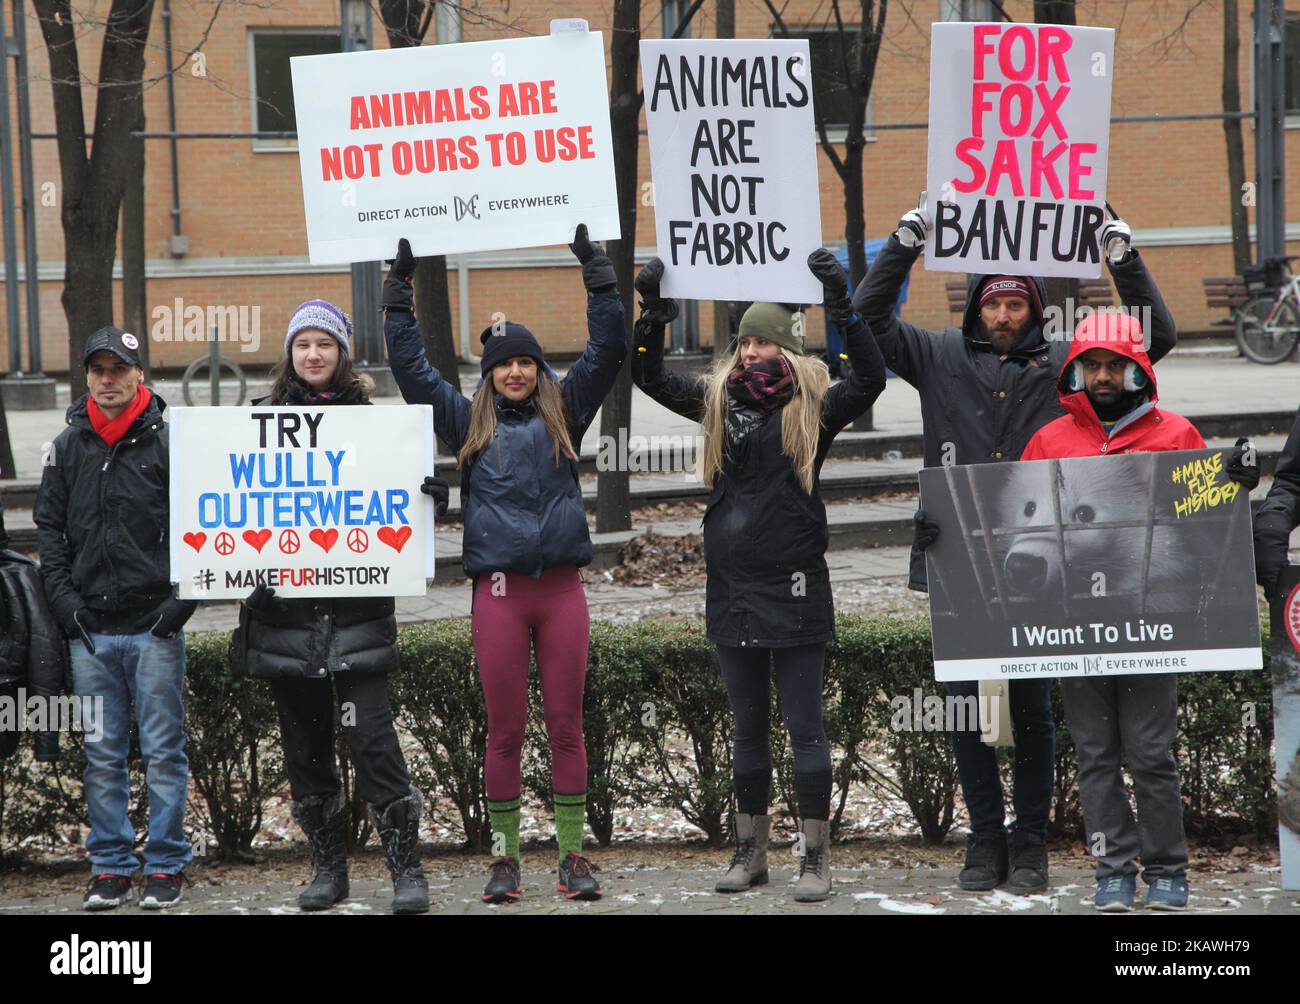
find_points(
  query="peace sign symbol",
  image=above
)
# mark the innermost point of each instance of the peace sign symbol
(225, 543)
(289, 542)
(357, 540)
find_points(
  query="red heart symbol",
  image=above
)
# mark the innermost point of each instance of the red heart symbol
(196, 540)
(396, 539)
(324, 538)
(257, 538)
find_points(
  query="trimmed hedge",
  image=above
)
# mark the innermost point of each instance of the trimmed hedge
(658, 732)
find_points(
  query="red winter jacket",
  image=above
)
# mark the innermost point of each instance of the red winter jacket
(1079, 433)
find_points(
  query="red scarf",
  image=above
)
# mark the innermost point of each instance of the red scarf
(767, 385)
(111, 430)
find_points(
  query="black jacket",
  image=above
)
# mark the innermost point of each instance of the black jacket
(33, 655)
(102, 521)
(764, 537)
(523, 512)
(1278, 514)
(978, 407)
(312, 637)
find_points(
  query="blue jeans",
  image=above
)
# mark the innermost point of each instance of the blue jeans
(148, 673)
(1034, 730)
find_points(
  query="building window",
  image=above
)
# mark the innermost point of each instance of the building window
(272, 83)
(831, 92)
(966, 10)
(671, 14)
(1291, 59)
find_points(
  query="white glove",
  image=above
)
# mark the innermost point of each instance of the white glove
(915, 225)
(1116, 239)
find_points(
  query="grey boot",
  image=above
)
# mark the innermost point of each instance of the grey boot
(323, 819)
(749, 862)
(399, 830)
(814, 883)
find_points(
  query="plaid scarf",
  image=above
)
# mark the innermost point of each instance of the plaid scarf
(767, 386)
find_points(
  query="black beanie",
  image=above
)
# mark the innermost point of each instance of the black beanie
(502, 342)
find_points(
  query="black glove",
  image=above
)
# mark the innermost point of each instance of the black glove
(440, 492)
(75, 627)
(597, 269)
(397, 295)
(835, 287)
(262, 599)
(171, 617)
(1246, 475)
(927, 530)
(653, 306)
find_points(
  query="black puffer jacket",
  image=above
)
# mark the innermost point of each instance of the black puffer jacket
(764, 537)
(33, 655)
(102, 521)
(315, 637)
(979, 407)
(1278, 514)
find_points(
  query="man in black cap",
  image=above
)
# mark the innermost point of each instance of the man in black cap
(102, 523)
(986, 387)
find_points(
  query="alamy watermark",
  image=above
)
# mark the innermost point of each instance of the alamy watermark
(182, 322)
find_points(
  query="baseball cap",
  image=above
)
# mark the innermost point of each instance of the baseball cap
(121, 343)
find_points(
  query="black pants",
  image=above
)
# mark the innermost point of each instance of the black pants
(306, 709)
(747, 674)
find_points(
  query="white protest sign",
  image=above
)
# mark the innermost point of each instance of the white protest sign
(733, 155)
(1019, 137)
(311, 501)
(468, 147)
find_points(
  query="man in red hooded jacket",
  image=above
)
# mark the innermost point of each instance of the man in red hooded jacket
(1108, 391)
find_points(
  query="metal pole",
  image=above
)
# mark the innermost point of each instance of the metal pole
(214, 367)
(29, 197)
(7, 195)
(367, 349)
(1270, 146)
(171, 122)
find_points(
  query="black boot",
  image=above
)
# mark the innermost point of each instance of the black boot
(323, 820)
(398, 824)
(986, 862)
(1028, 863)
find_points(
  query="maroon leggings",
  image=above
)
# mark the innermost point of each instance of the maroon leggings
(510, 611)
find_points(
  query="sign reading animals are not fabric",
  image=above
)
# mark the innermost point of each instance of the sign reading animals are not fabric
(311, 501)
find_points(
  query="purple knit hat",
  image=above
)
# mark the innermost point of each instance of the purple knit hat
(324, 316)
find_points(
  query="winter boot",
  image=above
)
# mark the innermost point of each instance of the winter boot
(814, 883)
(986, 862)
(749, 861)
(323, 818)
(399, 829)
(1028, 863)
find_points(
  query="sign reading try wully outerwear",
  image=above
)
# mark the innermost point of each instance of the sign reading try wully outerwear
(311, 501)
(468, 147)
(734, 160)
(1108, 566)
(1019, 136)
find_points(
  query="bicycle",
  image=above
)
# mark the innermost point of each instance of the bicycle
(1267, 325)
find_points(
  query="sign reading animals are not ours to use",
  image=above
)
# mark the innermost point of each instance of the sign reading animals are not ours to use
(475, 146)
(1018, 143)
(310, 501)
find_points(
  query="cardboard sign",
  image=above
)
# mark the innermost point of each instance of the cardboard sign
(311, 501)
(474, 146)
(1285, 662)
(733, 154)
(1135, 563)
(1019, 136)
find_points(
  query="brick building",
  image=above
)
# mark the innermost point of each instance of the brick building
(240, 204)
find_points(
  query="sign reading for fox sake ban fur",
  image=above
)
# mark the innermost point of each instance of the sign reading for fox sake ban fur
(1133, 563)
(733, 154)
(311, 501)
(1018, 145)
(474, 146)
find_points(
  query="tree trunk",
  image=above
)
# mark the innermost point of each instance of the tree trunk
(1241, 253)
(135, 303)
(612, 487)
(725, 317)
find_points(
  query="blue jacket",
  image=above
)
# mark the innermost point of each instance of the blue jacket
(523, 513)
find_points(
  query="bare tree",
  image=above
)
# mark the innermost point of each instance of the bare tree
(1241, 253)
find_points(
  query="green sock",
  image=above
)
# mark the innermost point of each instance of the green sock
(570, 816)
(504, 817)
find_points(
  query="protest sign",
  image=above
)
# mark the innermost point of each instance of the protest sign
(311, 501)
(1134, 563)
(1285, 663)
(468, 147)
(1019, 137)
(734, 161)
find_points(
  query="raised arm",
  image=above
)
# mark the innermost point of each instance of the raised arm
(416, 378)
(1137, 289)
(594, 373)
(1279, 513)
(858, 391)
(678, 393)
(907, 348)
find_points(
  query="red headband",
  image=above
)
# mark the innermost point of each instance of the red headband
(1005, 285)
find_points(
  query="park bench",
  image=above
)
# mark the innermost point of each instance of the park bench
(1092, 293)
